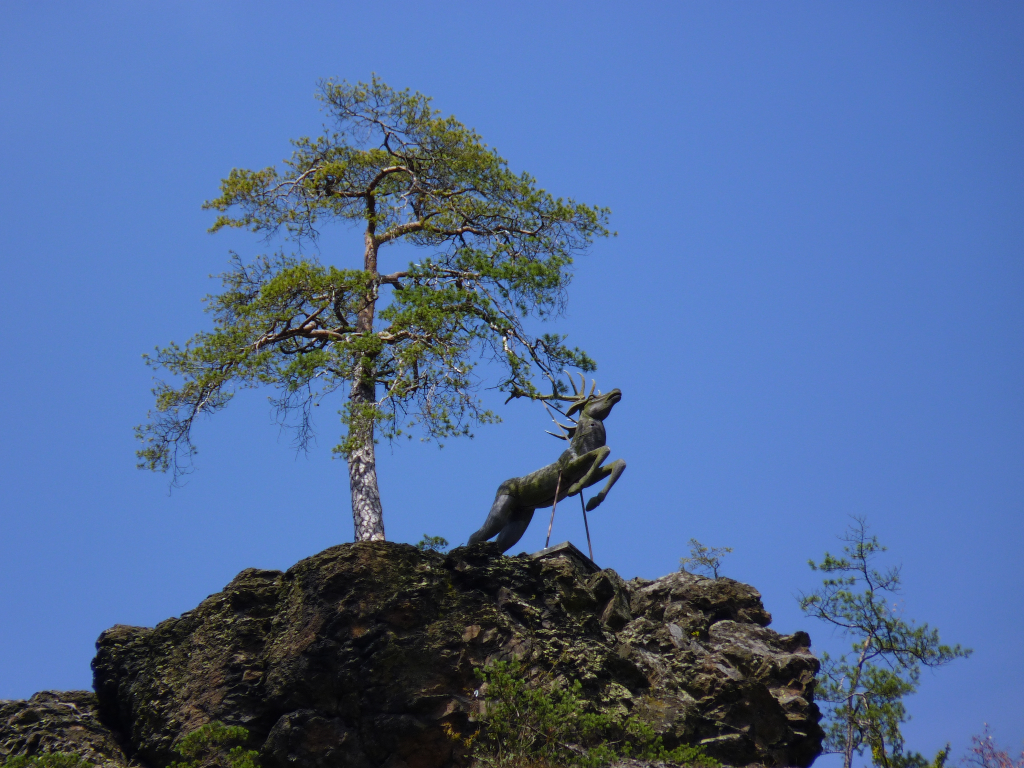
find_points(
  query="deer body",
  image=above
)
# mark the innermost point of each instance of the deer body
(580, 466)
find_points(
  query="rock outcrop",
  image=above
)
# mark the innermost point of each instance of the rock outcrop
(365, 655)
(58, 721)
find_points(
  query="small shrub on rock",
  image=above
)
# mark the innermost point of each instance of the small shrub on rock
(49, 760)
(433, 544)
(548, 725)
(210, 745)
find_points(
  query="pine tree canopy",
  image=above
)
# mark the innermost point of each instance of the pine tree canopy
(497, 253)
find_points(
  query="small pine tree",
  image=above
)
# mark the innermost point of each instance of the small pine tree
(704, 559)
(433, 544)
(863, 691)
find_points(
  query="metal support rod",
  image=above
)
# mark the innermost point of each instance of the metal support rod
(585, 525)
(558, 486)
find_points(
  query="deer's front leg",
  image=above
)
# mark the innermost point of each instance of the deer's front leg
(589, 465)
(614, 469)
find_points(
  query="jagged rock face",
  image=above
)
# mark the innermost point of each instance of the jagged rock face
(364, 655)
(58, 721)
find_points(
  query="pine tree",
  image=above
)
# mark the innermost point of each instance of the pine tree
(863, 691)
(497, 251)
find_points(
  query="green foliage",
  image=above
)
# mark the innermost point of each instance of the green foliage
(433, 544)
(917, 760)
(497, 250)
(47, 760)
(210, 745)
(864, 690)
(704, 559)
(547, 724)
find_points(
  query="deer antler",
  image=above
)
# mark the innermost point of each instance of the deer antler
(572, 383)
(577, 400)
(569, 431)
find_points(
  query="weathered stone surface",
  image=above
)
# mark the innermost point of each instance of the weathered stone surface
(58, 721)
(364, 655)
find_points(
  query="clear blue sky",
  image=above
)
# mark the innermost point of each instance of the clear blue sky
(814, 306)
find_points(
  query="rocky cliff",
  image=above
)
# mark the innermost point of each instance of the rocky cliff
(364, 655)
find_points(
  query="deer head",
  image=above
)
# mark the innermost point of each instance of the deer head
(587, 405)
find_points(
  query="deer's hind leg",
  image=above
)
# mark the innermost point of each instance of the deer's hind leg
(515, 529)
(612, 472)
(502, 511)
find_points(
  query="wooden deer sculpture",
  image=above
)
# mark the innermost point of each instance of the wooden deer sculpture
(579, 467)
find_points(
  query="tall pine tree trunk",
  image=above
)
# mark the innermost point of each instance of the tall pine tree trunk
(367, 514)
